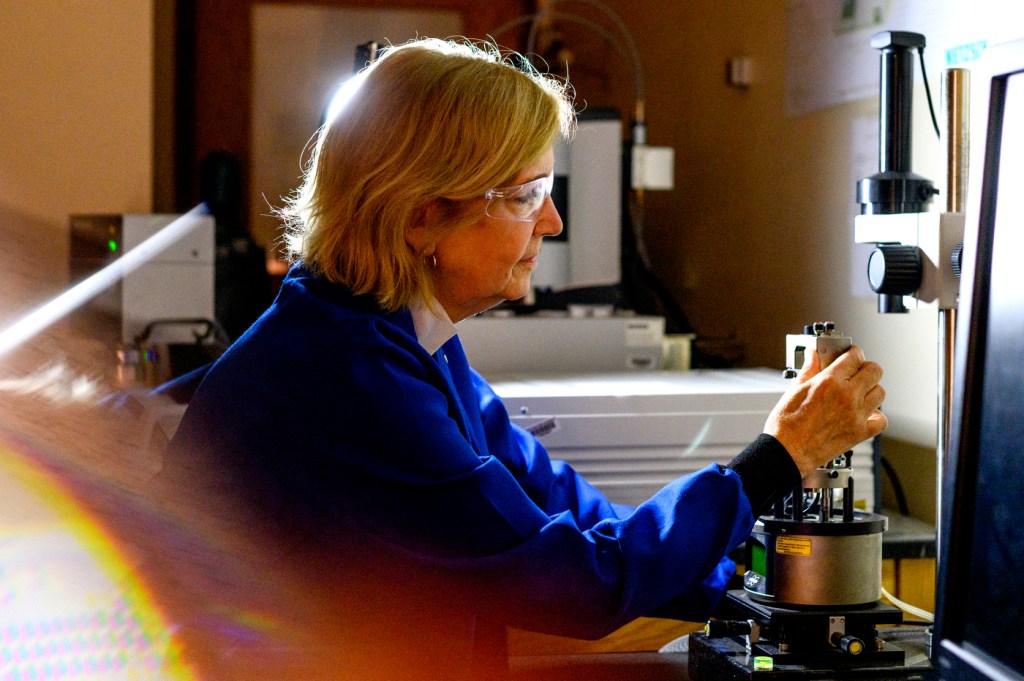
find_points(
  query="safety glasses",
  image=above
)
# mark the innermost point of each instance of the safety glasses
(522, 202)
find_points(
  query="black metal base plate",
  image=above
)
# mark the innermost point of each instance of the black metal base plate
(740, 603)
(806, 631)
(727, 659)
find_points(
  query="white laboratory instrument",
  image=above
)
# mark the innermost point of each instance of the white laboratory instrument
(632, 433)
(554, 341)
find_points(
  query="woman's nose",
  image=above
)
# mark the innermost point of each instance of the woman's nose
(549, 222)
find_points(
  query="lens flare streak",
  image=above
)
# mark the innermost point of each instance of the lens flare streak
(48, 313)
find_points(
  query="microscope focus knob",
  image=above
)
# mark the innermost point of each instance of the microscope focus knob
(895, 269)
(957, 259)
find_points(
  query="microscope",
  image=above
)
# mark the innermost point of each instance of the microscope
(916, 253)
(810, 604)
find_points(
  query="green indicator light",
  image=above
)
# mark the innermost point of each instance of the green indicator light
(112, 245)
(758, 559)
(763, 663)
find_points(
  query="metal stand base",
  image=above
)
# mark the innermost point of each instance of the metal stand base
(797, 641)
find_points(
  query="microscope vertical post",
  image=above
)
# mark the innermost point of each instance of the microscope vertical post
(956, 100)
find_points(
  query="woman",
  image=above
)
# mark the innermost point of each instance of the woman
(348, 425)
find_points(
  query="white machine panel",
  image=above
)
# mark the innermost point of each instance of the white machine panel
(592, 167)
(632, 434)
(558, 342)
(178, 283)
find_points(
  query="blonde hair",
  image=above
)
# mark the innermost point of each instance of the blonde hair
(430, 124)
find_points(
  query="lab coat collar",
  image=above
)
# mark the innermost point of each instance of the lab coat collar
(433, 326)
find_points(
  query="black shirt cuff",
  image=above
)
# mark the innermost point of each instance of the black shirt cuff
(767, 472)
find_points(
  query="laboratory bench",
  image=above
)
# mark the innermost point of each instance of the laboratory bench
(907, 538)
(632, 652)
(673, 664)
(642, 666)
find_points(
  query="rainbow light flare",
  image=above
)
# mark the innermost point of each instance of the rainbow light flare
(71, 607)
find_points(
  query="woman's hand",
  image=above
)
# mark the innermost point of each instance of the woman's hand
(830, 410)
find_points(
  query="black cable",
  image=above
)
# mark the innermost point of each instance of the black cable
(928, 94)
(814, 505)
(676, 319)
(637, 276)
(897, 487)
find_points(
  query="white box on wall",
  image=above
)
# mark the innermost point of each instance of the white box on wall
(653, 167)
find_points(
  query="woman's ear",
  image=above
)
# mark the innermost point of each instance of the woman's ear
(417, 232)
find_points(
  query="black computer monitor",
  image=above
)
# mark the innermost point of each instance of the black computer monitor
(979, 631)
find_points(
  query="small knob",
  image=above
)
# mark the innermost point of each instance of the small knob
(848, 644)
(957, 259)
(723, 628)
(895, 269)
(789, 372)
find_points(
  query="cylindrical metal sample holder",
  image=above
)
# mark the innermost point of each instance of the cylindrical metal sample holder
(819, 564)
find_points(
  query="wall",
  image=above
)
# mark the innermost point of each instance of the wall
(301, 53)
(76, 112)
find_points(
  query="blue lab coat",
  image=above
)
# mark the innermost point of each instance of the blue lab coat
(336, 427)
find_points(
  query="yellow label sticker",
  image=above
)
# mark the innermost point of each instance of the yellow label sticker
(793, 546)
